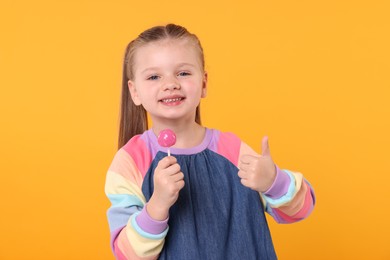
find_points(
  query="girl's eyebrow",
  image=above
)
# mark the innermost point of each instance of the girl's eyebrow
(185, 64)
(178, 66)
(147, 69)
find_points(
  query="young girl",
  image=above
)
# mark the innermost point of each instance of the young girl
(207, 200)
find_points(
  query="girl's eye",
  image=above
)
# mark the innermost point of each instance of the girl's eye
(184, 73)
(154, 77)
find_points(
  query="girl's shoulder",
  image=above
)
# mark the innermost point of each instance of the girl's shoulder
(136, 143)
(225, 137)
(226, 144)
(138, 148)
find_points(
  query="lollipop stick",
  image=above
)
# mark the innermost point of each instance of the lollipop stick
(169, 152)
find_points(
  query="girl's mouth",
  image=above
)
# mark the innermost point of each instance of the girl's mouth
(171, 100)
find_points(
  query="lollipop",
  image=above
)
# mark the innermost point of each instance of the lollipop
(167, 138)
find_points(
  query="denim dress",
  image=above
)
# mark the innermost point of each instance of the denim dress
(215, 216)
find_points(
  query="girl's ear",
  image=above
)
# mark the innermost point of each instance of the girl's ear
(133, 93)
(204, 85)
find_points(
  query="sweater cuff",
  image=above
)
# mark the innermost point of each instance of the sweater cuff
(150, 225)
(280, 185)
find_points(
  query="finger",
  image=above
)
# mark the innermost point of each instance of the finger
(172, 169)
(265, 147)
(177, 177)
(166, 162)
(246, 167)
(247, 159)
(242, 174)
(180, 184)
(246, 183)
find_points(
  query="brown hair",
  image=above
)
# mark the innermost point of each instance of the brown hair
(133, 119)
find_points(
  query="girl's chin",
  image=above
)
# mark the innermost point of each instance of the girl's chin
(174, 117)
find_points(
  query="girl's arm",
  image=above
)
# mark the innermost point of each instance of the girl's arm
(134, 235)
(290, 197)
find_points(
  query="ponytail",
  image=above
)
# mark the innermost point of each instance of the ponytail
(133, 119)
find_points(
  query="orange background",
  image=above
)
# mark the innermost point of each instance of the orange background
(313, 75)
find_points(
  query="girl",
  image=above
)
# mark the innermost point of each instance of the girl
(207, 200)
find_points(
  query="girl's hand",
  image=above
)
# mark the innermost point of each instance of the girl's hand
(168, 181)
(258, 172)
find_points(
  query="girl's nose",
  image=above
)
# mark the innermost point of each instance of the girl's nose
(171, 83)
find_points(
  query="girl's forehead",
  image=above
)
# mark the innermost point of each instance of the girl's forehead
(168, 48)
(167, 43)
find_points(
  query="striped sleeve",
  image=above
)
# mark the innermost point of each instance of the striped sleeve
(123, 189)
(290, 198)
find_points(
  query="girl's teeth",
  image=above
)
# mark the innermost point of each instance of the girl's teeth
(171, 100)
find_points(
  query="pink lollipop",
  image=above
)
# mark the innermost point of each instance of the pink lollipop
(167, 138)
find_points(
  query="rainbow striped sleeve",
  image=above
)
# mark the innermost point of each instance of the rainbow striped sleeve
(290, 198)
(123, 189)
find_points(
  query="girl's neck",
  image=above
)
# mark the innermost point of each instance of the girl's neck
(187, 134)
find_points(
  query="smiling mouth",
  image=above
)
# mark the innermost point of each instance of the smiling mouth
(171, 100)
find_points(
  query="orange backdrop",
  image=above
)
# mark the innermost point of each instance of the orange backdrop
(313, 75)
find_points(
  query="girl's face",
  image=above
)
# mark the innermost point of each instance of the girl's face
(168, 79)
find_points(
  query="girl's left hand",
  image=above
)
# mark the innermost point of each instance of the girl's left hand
(258, 172)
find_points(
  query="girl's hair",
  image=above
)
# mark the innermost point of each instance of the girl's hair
(133, 119)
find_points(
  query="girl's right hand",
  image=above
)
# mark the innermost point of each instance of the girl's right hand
(168, 181)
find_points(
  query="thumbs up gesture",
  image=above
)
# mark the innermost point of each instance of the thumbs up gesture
(258, 172)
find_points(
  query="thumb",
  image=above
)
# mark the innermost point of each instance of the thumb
(265, 147)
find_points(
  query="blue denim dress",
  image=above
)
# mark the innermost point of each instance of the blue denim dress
(215, 216)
